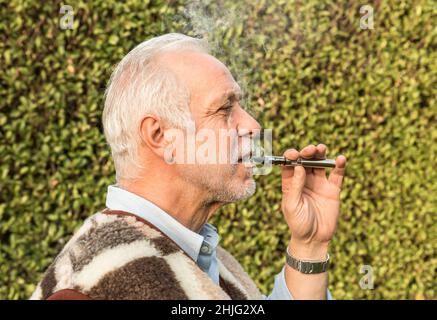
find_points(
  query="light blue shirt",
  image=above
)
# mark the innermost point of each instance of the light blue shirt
(201, 247)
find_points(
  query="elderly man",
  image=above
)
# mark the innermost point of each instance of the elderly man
(153, 240)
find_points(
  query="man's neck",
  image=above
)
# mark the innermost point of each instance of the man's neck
(190, 207)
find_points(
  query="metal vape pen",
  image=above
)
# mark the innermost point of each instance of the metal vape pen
(308, 163)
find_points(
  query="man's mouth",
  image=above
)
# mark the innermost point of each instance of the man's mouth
(246, 160)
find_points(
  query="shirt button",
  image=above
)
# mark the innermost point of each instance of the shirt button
(205, 249)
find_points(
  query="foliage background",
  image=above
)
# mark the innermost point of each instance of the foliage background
(310, 73)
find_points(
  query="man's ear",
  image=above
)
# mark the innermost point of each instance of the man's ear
(152, 134)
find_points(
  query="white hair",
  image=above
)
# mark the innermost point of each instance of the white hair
(140, 85)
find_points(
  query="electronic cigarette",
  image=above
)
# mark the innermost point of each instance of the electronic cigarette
(307, 163)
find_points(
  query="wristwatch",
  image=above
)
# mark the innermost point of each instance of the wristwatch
(307, 266)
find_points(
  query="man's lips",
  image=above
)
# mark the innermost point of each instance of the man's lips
(246, 160)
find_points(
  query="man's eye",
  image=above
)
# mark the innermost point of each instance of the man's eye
(226, 110)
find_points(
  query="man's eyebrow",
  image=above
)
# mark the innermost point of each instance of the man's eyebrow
(228, 96)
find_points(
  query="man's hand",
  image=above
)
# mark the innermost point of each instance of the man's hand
(311, 206)
(311, 201)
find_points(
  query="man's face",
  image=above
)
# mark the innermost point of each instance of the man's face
(217, 113)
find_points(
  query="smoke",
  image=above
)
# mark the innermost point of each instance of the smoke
(221, 23)
(245, 35)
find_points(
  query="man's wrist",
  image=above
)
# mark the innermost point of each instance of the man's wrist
(308, 250)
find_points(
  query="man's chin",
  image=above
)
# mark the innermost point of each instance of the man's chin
(240, 191)
(249, 188)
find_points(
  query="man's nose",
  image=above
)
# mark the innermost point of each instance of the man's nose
(247, 124)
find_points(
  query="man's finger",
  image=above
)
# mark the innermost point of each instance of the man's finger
(288, 171)
(337, 174)
(320, 154)
(293, 178)
(308, 152)
(296, 184)
(320, 151)
(291, 154)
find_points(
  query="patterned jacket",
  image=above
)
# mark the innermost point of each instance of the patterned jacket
(117, 255)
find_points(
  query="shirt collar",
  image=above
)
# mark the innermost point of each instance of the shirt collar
(190, 241)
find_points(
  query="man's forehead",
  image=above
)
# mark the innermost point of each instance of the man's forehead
(195, 67)
(205, 75)
(186, 63)
(222, 93)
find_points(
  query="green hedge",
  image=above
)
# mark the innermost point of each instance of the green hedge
(310, 73)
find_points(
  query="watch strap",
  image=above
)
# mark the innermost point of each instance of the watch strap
(307, 266)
